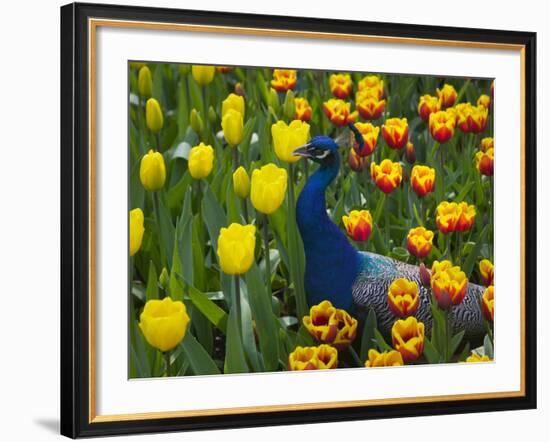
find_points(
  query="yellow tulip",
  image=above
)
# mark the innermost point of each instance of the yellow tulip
(487, 271)
(164, 323)
(474, 357)
(235, 102)
(385, 359)
(233, 127)
(145, 82)
(152, 171)
(201, 161)
(241, 182)
(403, 297)
(322, 357)
(153, 116)
(236, 245)
(268, 188)
(203, 75)
(287, 138)
(136, 230)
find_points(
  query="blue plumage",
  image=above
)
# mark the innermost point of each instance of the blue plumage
(353, 280)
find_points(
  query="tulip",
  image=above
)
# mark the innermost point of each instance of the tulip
(484, 100)
(357, 163)
(287, 138)
(467, 217)
(387, 176)
(283, 79)
(370, 136)
(422, 180)
(340, 85)
(268, 188)
(372, 83)
(485, 162)
(164, 279)
(449, 284)
(289, 108)
(408, 338)
(164, 323)
(330, 325)
(136, 230)
(136, 65)
(424, 274)
(224, 69)
(233, 127)
(303, 110)
(241, 182)
(488, 303)
(474, 357)
(195, 121)
(152, 171)
(338, 112)
(396, 132)
(442, 126)
(471, 119)
(358, 224)
(369, 106)
(487, 271)
(403, 297)
(201, 161)
(236, 245)
(428, 105)
(313, 358)
(410, 153)
(153, 115)
(447, 95)
(235, 102)
(390, 358)
(145, 82)
(486, 144)
(202, 74)
(447, 215)
(419, 242)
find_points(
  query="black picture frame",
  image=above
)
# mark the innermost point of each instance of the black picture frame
(75, 194)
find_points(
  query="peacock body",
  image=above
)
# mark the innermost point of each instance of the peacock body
(353, 280)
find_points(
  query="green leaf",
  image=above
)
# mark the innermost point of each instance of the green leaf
(488, 347)
(152, 291)
(472, 257)
(455, 342)
(431, 353)
(213, 216)
(235, 361)
(368, 334)
(382, 345)
(200, 361)
(175, 287)
(464, 353)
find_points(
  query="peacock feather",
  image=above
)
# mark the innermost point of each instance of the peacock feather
(350, 279)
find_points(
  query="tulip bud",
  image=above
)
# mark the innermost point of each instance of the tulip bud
(164, 279)
(152, 171)
(212, 117)
(239, 90)
(241, 182)
(136, 230)
(195, 121)
(201, 161)
(288, 106)
(355, 162)
(153, 115)
(425, 276)
(273, 100)
(203, 75)
(233, 127)
(410, 153)
(145, 82)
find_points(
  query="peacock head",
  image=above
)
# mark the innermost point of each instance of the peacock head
(321, 149)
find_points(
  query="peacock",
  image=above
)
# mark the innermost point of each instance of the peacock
(354, 280)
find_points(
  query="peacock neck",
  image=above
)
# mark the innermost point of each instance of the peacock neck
(332, 264)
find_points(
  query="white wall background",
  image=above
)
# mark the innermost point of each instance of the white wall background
(29, 218)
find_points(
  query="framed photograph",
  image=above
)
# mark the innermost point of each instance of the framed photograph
(279, 220)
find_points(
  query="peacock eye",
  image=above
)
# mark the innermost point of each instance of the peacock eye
(320, 153)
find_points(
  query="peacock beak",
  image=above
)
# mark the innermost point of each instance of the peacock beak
(303, 151)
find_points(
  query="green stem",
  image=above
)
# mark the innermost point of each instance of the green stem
(235, 152)
(355, 356)
(446, 337)
(167, 359)
(238, 302)
(245, 211)
(156, 205)
(448, 251)
(387, 219)
(267, 259)
(157, 137)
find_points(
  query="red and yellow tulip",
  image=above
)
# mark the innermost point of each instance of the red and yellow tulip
(447, 95)
(419, 242)
(485, 162)
(486, 144)
(449, 284)
(390, 358)
(487, 271)
(408, 338)
(451, 217)
(330, 325)
(369, 105)
(358, 224)
(403, 297)
(422, 180)
(370, 137)
(356, 162)
(396, 132)
(322, 357)
(387, 176)
(339, 112)
(488, 303)
(303, 110)
(484, 100)
(428, 104)
(340, 85)
(442, 126)
(471, 119)
(284, 79)
(373, 83)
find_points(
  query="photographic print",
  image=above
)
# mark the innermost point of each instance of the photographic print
(296, 219)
